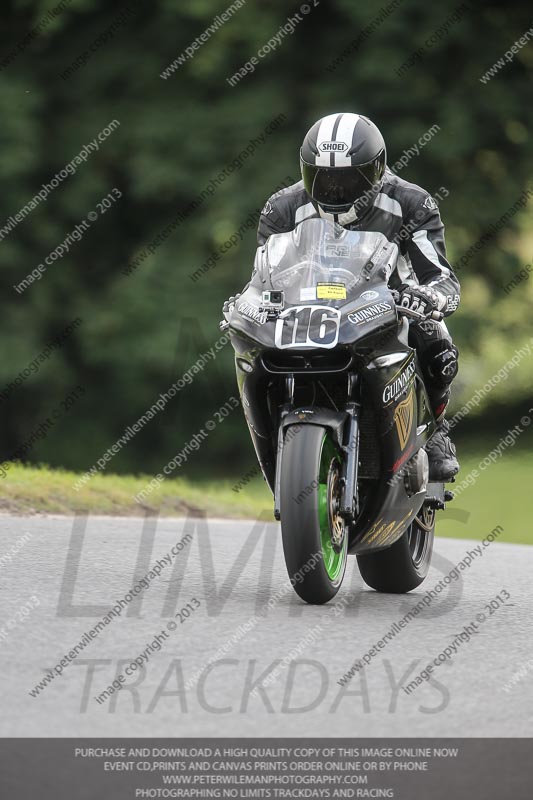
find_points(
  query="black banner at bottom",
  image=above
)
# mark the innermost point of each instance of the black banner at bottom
(126, 769)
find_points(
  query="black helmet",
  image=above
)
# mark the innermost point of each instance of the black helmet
(343, 159)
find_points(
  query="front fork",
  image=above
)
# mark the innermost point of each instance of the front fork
(350, 466)
(345, 429)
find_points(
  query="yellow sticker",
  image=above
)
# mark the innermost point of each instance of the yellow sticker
(330, 291)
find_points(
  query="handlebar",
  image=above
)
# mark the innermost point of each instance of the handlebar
(407, 312)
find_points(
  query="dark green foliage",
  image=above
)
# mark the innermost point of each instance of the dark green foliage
(142, 330)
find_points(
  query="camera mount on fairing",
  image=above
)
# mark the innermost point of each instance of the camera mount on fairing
(272, 303)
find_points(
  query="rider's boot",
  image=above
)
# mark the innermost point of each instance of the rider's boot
(443, 464)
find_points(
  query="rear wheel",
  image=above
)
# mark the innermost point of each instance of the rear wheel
(315, 537)
(403, 566)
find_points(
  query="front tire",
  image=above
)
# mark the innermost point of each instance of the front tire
(403, 566)
(315, 537)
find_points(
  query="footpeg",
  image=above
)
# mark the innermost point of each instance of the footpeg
(448, 495)
(435, 503)
(435, 496)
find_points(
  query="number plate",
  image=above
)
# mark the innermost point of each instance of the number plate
(308, 326)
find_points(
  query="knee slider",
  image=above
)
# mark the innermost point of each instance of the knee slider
(442, 363)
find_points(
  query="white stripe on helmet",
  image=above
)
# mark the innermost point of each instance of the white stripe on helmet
(325, 134)
(345, 133)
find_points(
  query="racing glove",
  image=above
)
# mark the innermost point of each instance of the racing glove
(229, 305)
(423, 299)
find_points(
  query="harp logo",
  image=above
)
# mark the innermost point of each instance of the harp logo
(403, 418)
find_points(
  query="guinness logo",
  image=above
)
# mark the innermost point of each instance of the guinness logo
(396, 387)
(369, 313)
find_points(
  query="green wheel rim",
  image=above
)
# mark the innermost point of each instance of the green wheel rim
(333, 559)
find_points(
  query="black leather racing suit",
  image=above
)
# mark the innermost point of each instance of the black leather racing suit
(408, 216)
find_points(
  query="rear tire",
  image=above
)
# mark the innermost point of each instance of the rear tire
(315, 538)
(403, 566)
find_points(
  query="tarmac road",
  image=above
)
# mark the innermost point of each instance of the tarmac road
(67, 574)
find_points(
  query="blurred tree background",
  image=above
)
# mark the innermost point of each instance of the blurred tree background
(141, 331)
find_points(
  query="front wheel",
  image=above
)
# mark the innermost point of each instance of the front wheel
(403, 566)
(315, 537)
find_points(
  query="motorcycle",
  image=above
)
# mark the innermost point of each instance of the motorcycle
(337, 410)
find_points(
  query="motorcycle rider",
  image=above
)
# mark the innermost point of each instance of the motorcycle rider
(345, 179)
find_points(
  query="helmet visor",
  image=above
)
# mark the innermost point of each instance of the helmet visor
(341, 187)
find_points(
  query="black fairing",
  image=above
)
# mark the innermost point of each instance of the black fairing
(367, 365)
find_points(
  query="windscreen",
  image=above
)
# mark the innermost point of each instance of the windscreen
(320, 261)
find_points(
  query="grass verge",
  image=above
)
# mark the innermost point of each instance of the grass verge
(500, 496)
(34, 490)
